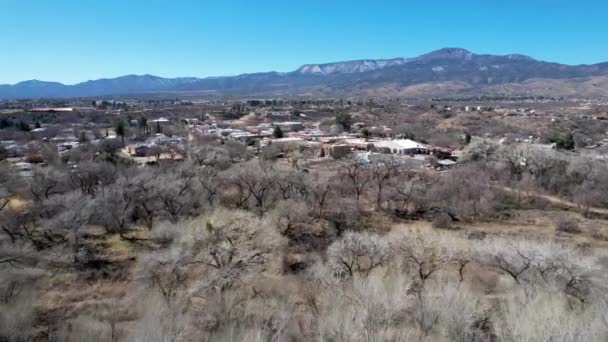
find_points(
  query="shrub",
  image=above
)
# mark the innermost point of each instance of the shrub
(567, 225)
(442, 221)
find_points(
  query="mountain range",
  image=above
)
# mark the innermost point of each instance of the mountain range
(448, 71)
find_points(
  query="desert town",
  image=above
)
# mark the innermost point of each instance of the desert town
(151, 133)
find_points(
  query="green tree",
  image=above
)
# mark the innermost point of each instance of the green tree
(344, 120)
(121, 130)
(467, 138)
(3, 153)
(23, 126)
(143, 124)
(366, 133)
(251, 141)
(565, 141)
(278, 132)
(4, 123)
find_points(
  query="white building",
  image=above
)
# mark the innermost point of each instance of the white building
(401, 147)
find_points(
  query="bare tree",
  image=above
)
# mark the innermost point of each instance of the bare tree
(512, 258)
(258, 179)
(146, 198)
(115, 206)
(291, 216)
(319, 190)
(173, 193)
(91, 176)
(211, 183)
(357, 253)
(291, 185)
(358, 175)
(423, 256)
(381, 173)
(47, 182)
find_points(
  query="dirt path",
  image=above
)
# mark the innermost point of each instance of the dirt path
(560, 202)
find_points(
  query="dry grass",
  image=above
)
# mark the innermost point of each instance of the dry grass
(262, 301)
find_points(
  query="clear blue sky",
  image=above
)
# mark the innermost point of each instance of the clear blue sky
(76, 40)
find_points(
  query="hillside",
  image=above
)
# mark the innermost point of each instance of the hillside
(511, 74)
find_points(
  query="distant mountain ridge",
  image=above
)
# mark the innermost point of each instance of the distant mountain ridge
(470, 71)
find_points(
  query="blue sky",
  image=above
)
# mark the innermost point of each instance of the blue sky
(76, 40)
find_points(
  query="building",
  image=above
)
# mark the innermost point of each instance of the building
(140, 150)
(400, 147)
(51, 110)
(289, 126)
(336, 151)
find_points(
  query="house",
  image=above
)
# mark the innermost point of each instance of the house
(360, 144)
(289, 126)
(192, 122)
(338, 151)
(51, 110)
(13, 149)
(159, 122)
(445, 164)
(400, 147)
(66, 146)
(141, 150)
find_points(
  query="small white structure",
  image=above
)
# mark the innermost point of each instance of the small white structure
(401, 147)
(160, 120)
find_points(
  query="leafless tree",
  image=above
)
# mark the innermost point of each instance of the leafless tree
(381, 172)
(512, 258)
(358, 175)
(319, 190)
(76, 211)
(291, 216)
(115, 206)
(258, 179)
(357, 253)
(47, 182)
(423, 256)
(291, 185)
(146, 198)
(91, 176)
(211, 183)
(173, 193)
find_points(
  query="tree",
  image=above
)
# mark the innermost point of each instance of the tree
(115, 206)
(381, 173)
(319, 190)
(357, 253)
(514, 259)
(366, 133)
(479, 149)
(358, 175)
(211, 184)
(423, 256)
(121, 130)
(564, 141)
(278, 132)
(143, 124)
(344, 120)
(174, 194)
(467, 138)
(47, 182)
(257, 179)
(3, 153)
(23, 126)
(146, 198)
